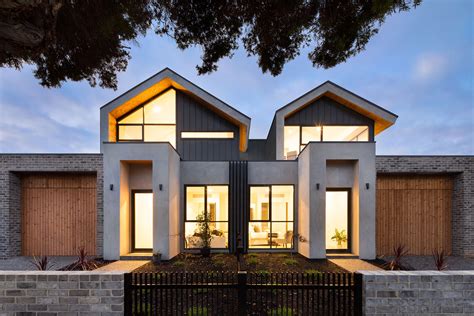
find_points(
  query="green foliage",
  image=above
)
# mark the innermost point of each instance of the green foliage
(340, 236)
(290, 262)
(313, 272)
(179, 263)
(197, 311)
(252, 261)
(203, 229)
(281, 311)
(252, 255)
(88, 40)
(263, 272)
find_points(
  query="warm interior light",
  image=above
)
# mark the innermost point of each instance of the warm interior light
(143, 220)
(336, 218)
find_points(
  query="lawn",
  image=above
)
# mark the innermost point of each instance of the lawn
(252, 262)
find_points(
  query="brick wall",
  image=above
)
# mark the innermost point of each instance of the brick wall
(11, 168)
(62, 293)
(462, 169)
(418, 292)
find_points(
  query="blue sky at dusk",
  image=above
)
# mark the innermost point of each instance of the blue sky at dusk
(419, 66)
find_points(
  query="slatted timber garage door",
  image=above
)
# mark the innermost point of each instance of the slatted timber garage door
(415, 211)
(58, 213)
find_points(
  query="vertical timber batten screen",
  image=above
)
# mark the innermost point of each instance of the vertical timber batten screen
(238, 195)
(242, 293)
(59, 213)
(414, 211)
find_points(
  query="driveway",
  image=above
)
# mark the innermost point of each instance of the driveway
(25, 263)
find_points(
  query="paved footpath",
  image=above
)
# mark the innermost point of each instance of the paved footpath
(353, 265)
(123, 265)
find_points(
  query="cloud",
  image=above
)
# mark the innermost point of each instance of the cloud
(430, 66)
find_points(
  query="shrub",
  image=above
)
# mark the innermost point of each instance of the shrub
(439, 258)
(290, 262)
(312, 272)
(252, 260)
(281, 311)
(252, 255)
(197, 311)
(398, 253)
(263, 272)
(41, 263)
(179, 263)
(82, 262)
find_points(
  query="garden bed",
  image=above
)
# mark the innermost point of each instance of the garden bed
(252, 262)
(94, 264)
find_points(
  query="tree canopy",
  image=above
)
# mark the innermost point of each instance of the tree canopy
(90, 39)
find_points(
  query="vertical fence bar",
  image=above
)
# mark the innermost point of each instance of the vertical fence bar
(358, 294)
(127, 282)
(242, 292)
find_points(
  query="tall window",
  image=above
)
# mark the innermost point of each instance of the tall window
(155, 121)
(295, 138)
(203, 202)
(271, 217)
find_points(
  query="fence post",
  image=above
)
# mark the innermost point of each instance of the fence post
(358, 304)
(127, 293)
(242, 292)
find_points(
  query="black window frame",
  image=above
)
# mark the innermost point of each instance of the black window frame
(185, 217)
(142, 106)
(270, 217)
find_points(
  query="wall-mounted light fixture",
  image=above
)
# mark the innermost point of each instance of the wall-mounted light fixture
(367, 186)
(160, 187)
(111, 187)
(317, 186)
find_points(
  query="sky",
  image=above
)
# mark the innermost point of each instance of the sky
(419, 66)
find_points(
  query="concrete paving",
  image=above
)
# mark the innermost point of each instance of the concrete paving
(26, 263)
(353, 265)
(123, 265)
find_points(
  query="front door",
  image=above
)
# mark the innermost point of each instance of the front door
(337, 220)
(142, 220)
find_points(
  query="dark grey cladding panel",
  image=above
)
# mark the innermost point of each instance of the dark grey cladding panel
(270, 146)
(255, 150)
(238, 204)
(327, 111)
(192, 116)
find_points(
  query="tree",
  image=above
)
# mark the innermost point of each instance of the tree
(77, 40)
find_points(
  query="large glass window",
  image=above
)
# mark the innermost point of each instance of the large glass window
(211, 202)
(337, 220)
(155, 121)
(294, 144)
(271, 217)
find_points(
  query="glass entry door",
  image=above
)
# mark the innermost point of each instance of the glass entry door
(337, 220)
(142, 220)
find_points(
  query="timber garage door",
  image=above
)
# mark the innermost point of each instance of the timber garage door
(58, 214)
(415, 211)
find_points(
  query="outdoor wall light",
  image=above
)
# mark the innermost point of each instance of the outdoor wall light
(111, 187)
(367, 186)
(160, 187)
(317, 186)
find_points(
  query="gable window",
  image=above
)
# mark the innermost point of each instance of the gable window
(212, 201)
(205, 135)
(155, 121)
(295, 138)
(271, 217)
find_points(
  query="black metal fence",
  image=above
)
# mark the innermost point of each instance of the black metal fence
(232, 293)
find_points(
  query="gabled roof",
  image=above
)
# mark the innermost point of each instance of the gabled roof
(382, 117)
(167, 78)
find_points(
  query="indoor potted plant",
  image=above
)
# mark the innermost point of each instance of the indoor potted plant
(340, 237)
(205, 233)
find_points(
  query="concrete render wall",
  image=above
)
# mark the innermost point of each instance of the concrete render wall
(418, 292)
(11, 168)
(61, 293)
(462, 170)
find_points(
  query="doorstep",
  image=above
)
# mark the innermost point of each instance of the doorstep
(137, 256)
(341, 256)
